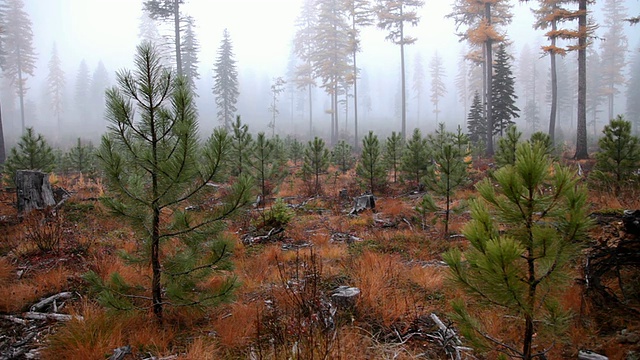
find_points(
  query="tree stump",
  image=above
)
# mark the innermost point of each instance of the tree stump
(33, 191)
(344, 297)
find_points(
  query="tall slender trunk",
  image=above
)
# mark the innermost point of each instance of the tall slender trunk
(335, 114)
(176, 29)
(581, 134)
(489, 83)
(529, 330)
(404, 99)
(611, 96)
(346, 111)
(3, 155)
(156, 287)
(310, 113)
(355, 98)
(554, 86)
(21, 89)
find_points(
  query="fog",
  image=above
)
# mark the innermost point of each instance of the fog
(262, 31)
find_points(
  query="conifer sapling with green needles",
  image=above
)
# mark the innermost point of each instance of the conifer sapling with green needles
(157, 172)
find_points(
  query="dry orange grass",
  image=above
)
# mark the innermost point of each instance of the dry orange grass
(7, 272)
(393, 207)
(236, 328)
(100, 332)
(134, 275)
(430, 278)
(257, 269)
(381, 278)
(201, 349)
(601, 200)
(290, 187)
(18, 294)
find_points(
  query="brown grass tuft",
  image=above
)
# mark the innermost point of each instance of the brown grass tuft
(201, 349)
(100, 332)
(380, 278)
(237, 327)
(19, 294)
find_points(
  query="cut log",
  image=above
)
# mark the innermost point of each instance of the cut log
(33, 191)
(44, 302)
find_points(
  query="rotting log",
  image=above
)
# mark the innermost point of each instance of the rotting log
(33, 191)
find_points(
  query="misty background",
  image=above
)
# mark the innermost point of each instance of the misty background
(95, 38)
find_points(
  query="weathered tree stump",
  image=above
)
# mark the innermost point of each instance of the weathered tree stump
(344, 297)
(33, 191)
(363, 202)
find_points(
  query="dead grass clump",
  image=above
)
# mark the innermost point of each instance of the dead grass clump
(44, 229)
(7, 272)
(394, 208)
(134, 275)
(296, 321)
(381, 279)
(237, 327)
(16, 295)
(201, 349)
(100, 332)
(429, 278)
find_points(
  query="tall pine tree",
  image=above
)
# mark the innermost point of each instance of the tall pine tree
(394, 16)
(633, 92)
(190, 48)
(476, 123)
(614, 49)
(18, 54)
(438, 88)
(225, 87)
(361, 15)
(56, 86)
(503, 92)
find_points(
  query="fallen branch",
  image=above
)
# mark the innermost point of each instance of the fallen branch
(590, 355)
(44, 302)
(14, 319)
(50, 316)
(445, 329)
(120, 353)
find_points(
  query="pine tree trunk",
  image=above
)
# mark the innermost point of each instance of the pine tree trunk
(176, 28)
(581, 140)
(33, 191)
(355, 100)
(21, 90)
(554, 87)
(310, 114)
(404, 96)
(489, 83)
(3, 154)
(404, 101)
(156, 287)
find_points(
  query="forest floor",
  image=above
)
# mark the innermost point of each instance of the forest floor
(391, 254)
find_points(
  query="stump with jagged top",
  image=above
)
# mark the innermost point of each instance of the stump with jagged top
(33, 191)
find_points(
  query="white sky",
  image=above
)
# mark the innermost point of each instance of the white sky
(261, 31)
